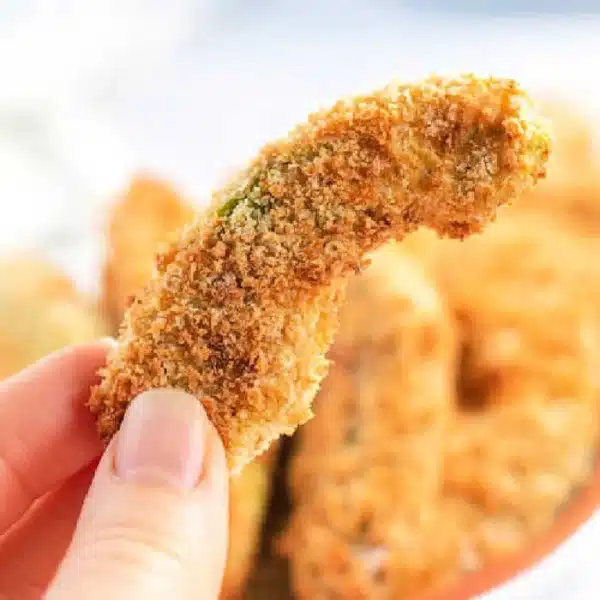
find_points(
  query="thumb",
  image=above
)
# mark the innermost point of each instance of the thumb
(154, 523)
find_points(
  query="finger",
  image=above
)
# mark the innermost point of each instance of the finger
(46, 432)
(31, 552)
(154, 524)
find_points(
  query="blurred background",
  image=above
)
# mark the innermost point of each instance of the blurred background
(94, 92)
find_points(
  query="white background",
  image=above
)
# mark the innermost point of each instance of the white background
(92, 90)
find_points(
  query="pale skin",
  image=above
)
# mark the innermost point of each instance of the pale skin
(138, 521)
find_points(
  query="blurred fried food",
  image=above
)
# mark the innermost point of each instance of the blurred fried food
(526, 295)
(525, 299)
(386, 504)
(462, 411)
(40, 312)
(525, 434)
(571, 191)
(141, 221)
(366, 482)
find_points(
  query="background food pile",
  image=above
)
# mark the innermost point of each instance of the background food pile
(461, 411)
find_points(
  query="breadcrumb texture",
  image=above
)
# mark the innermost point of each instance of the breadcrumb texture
(40, 312)
(424, 464)
(141, 220)
(243, 307)
(526, 432)
(367, 479)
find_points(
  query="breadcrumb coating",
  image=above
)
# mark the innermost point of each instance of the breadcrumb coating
(367, 478)
(527, 431)
(490, 463)
(140, 221)
(243, 307)
(525, 298)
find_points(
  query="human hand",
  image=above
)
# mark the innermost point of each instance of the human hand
(155, 507)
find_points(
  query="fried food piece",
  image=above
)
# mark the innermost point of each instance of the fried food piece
(40, 312)
(570, 192)
(367, 478)
(520, 423)
(512, 468)
(139, 223)
(244, 306)
(525, 298)
(526, 430)
(574, 201)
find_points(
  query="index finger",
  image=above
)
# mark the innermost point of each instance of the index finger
(46, 433)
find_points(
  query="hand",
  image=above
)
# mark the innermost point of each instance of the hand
(149, 520)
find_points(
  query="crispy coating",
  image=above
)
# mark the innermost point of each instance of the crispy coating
(526, 430)
(511, 469)
(367, 479)
(140, 221)
(525, 298)
(569, 195)
(40, 311)
(244, 306)
(490, 463)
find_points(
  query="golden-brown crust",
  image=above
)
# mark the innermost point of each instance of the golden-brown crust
(526, 431)
(140, 221)
(521, 418)
(367, 478)
(40, 311)
(525, 297)
(244, 306)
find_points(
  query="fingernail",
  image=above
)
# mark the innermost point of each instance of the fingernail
(162, 440)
